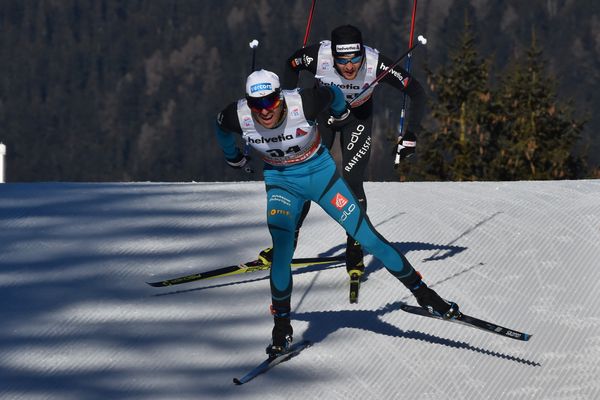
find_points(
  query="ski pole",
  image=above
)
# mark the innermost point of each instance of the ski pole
(309, 23)
(420, 40)
(407, 68)
(253, 45)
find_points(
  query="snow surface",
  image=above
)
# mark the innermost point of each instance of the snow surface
(79, 321)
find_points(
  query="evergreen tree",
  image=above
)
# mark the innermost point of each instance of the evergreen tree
(103, 90)
(460, 146)
(537, 135)
(515, 132)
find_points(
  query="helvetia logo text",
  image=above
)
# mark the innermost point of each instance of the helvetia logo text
(340, 85)
(280, 138)
(348, 48)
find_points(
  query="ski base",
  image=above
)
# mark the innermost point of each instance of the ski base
(465, 319)
(271, 361)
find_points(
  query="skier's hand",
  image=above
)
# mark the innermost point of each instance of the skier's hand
(407, 145)
(239, 162)
(337, 121)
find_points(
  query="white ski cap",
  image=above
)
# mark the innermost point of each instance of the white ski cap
(262, 83)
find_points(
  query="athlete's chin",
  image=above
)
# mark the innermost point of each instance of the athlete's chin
(267, 123)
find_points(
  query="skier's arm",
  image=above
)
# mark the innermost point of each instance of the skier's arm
(226, 126)
(326, 98)
(302, 59)
(402, 80)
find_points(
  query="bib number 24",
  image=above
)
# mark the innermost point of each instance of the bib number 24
(281, 153)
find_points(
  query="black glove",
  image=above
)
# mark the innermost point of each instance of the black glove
(239, 162)
(407, 145)
(337, 121)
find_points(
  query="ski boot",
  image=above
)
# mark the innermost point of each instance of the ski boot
(355, 267)
(282, 333)
(266, 256)
(433, 303)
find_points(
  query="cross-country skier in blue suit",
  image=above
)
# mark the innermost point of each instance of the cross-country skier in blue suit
(280, 125)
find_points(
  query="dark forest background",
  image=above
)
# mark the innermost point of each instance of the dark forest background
(116, 90)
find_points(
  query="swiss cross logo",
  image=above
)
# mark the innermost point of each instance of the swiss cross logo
(339, 201)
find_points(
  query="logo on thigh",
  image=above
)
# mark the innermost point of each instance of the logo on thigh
(339, 201)
(281, 199)
(355, 136)
(346, 213)
(275, 211)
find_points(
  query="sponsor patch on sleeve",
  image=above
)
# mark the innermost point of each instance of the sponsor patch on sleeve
(296, 62)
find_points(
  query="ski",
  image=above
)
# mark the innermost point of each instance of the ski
(272, 361)
(354, 287)
(251, 266)
(465, 319)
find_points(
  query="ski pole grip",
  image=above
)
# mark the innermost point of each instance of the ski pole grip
(397, 160)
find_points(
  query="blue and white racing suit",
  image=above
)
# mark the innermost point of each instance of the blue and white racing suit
(298, 168)
(318, 180)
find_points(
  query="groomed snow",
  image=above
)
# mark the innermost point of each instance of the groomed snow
(79, 321)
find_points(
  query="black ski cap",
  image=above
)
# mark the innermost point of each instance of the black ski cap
(346, 39)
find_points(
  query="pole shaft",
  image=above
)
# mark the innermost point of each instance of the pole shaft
(407, 67)
(2, 153)
(412, 24)
(309, 23)
(384, 73)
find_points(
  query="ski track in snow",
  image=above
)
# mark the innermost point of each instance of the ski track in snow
(79, 322)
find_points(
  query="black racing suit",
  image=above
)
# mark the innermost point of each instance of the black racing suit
(355, 136)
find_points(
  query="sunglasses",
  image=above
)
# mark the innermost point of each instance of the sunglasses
(344, 61)
(269, 102)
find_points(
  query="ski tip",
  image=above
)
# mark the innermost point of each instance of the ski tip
(407, 307)
(237, 381)
(526, 337)
(155, 284)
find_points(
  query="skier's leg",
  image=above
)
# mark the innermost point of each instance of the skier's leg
(356, 149)
(335, 197)
(283, 209)
(327, 139)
